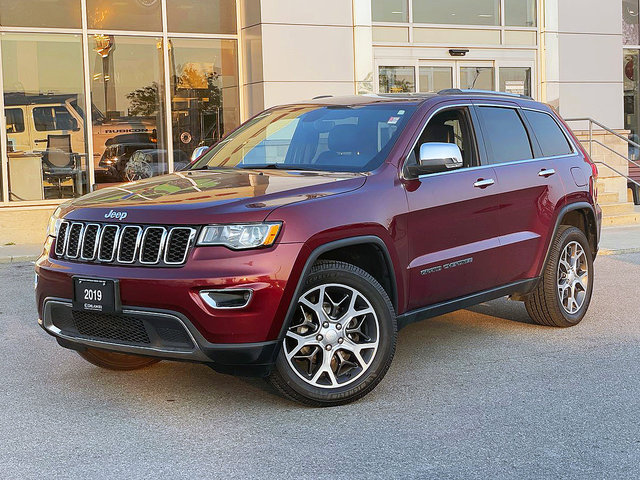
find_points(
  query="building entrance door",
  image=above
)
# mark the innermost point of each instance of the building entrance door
(437, 75)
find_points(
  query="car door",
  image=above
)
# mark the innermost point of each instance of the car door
(453, 218)
(529, 190)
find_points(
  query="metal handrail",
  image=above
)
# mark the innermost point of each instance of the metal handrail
(591, 141)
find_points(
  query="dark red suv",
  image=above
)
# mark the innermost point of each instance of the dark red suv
(301, 243)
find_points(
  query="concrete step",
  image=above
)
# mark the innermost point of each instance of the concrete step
(609, 209)
(604, 198)
(623, 219)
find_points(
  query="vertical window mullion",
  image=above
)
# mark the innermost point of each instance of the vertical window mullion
(88, 103)
(4, 161)
(167, 88)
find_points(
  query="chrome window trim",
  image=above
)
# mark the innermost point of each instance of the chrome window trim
(192, 234)
(135, 247)
(116, 240)
(95, 245)
(163, 239)
(209, 301)
(479, 167)
(80, 237)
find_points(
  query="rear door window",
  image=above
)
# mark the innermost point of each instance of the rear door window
(552, 140)
(505, 135)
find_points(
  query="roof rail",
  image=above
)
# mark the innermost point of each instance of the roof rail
(459, 91)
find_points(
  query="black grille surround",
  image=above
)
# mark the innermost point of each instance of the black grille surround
(125, 244)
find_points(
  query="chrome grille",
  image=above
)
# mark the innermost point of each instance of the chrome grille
(124, 244)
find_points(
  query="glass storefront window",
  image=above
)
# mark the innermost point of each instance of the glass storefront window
(630, 30)
(145, 15)
(397, 79)
(458, 12)
(127, 90)
(434, 79)
(515, 80)
(197, 16)
(479, 78)
(204, 93)
(520, 13)
(390, 11)
(43, 97)
(40, 13)
(632, 94)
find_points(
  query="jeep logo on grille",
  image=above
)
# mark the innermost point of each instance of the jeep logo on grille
(116, 215)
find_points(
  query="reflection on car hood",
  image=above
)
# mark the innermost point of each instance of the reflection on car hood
(186, 196)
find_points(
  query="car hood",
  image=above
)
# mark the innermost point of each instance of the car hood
(197, 197)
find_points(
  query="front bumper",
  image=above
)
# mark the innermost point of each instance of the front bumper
(271, 274)
(155, 333)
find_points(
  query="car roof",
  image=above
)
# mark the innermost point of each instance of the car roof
(416, 98)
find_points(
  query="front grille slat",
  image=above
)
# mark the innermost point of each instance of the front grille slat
(75, 240)
(129, 242)
(148, 245)
(177, 246)
(90, 241)
(61, 240)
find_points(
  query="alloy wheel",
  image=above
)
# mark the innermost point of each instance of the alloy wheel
(334, 336)
(573, 277)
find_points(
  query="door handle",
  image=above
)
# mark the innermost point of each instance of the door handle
(481, 183)
(37, 140)
(546, 172)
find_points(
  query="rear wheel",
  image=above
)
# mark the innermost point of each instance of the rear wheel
(562, 296)
(341, 340)
(116, 361)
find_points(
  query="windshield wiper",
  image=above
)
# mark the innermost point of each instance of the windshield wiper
(266, 166)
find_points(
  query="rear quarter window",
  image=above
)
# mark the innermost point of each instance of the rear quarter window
(552, 140)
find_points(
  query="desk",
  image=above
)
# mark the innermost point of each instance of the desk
(25, 176)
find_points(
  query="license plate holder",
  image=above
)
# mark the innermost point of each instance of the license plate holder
(96, 295)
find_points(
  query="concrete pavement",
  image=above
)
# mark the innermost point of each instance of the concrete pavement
(479, 393)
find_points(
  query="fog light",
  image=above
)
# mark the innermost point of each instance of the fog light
(228, 298)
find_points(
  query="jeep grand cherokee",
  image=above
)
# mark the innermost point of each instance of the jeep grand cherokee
(299, 245)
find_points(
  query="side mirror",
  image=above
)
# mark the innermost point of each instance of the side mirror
(437, 157)
(198, 151)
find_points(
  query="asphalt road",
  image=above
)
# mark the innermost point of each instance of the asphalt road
(479, 393)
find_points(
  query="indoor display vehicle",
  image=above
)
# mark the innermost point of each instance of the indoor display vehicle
(300, 244)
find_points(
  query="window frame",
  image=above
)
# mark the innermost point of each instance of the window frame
(479, 153)
(533, 141)
(567, 137)
(86, 35)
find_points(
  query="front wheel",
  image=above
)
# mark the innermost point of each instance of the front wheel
(563, 293)
(341, 340)
(115, 360)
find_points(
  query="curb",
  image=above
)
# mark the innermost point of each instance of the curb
(622, 251)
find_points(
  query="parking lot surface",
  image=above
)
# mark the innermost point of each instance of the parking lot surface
(479, 393)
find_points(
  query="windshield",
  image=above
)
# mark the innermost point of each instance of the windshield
(313, 137)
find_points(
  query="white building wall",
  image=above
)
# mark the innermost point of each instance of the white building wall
(582, 59)
(307, 49)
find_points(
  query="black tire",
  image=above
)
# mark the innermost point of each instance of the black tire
(291, 385)
(115, 360)
(544, 304)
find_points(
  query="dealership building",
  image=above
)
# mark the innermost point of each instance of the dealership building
(97, 93)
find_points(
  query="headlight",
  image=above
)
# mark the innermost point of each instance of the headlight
(54, 223)
(239, 237)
